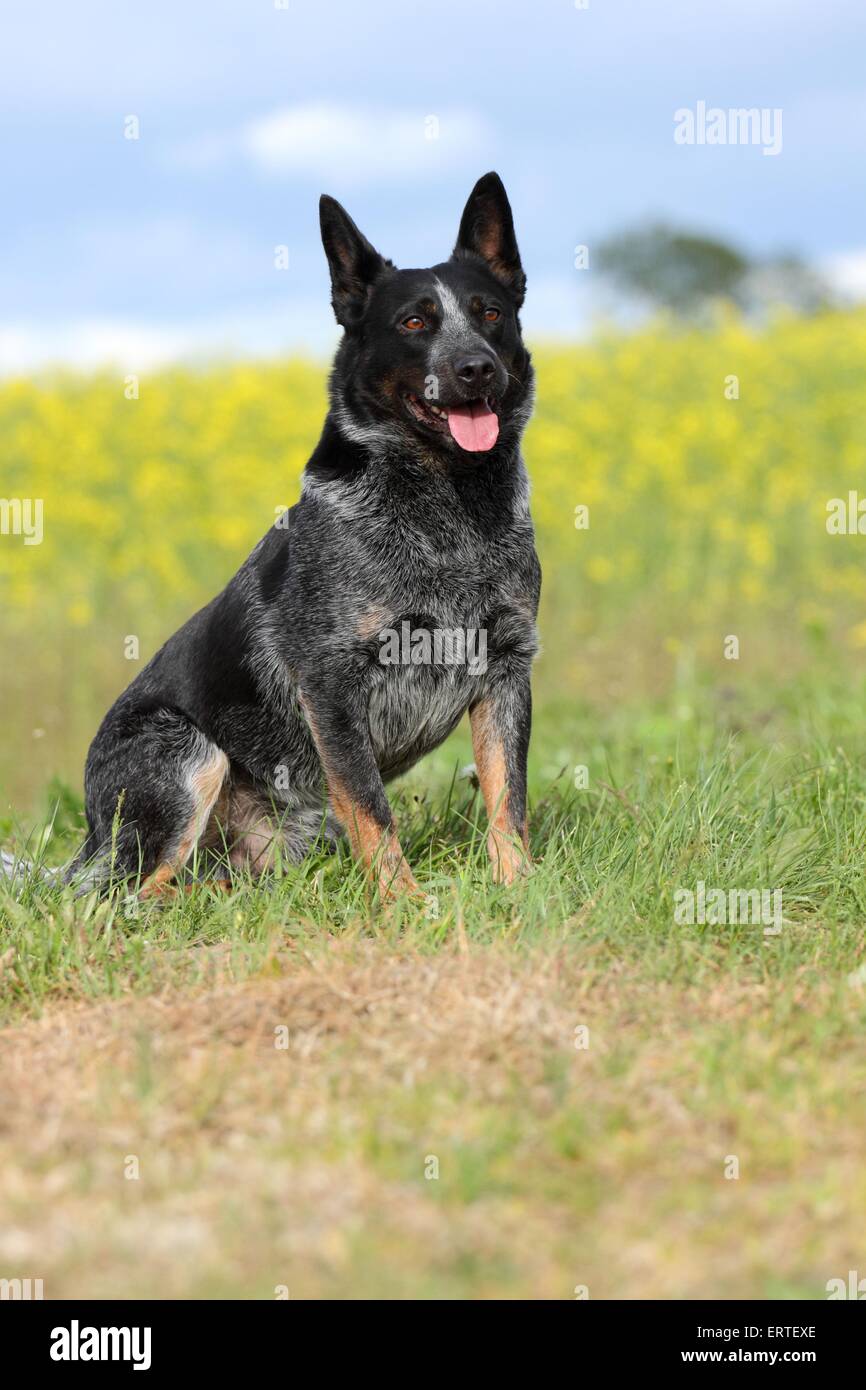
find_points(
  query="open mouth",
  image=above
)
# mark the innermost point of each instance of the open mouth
(474, 425)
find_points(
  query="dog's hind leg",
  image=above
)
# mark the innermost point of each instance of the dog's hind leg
(152, 780)
(205, 780)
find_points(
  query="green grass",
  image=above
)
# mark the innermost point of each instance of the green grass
(768, 795)
(451, 1034)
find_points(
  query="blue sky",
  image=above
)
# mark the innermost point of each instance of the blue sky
(141, 251)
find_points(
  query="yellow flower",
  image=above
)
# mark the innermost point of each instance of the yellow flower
(699, 505)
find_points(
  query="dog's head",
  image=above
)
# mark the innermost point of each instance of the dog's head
(434, 356)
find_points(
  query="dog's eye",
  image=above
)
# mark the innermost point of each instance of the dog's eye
(413, 323)
(491, 315)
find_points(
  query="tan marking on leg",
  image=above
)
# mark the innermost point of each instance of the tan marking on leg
(205, 784)
(508, 848)
(377, 849)
(159, 884)
(209, 885)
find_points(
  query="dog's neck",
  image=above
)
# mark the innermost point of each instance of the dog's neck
(349, 467)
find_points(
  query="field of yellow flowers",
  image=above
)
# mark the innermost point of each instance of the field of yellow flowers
(680, 489)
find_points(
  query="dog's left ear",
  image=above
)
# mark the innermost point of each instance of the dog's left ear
(354, 264)
(487, 230)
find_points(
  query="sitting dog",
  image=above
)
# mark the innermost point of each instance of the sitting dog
(281, 709)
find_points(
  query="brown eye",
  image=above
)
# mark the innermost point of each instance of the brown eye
(413, 323)
(491, 315)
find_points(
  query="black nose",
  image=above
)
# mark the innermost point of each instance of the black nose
(476, 370)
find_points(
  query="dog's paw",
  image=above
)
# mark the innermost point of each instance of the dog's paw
(509, 857)
(400, 883)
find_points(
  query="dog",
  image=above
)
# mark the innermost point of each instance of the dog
(270, 718)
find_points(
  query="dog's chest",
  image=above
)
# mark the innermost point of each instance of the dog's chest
(430, 655)
(435, 587)
(413, 706)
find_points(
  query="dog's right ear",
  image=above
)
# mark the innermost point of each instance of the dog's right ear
(355, 265)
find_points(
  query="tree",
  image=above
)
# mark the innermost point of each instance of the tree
(673, 270)
(685, 273)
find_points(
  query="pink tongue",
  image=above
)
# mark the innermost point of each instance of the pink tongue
(475, 426)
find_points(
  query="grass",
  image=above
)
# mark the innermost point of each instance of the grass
(288, 1065)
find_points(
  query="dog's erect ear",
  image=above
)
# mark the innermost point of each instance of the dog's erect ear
(487, 230)
(354, 264)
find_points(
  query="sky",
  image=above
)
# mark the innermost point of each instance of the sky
(141, 251)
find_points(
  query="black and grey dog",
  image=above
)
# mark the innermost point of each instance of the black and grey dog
(320, 672)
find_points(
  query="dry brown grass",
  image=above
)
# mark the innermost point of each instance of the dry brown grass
(305, 1167)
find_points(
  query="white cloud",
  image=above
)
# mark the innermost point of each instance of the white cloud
(324, 140)
(847, 273)
(87, 344)
(131, 345)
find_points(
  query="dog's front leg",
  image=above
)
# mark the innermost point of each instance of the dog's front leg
(501, 722)
(355, 789)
